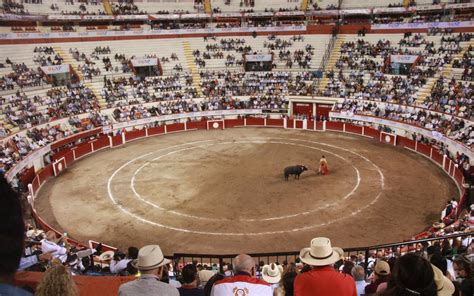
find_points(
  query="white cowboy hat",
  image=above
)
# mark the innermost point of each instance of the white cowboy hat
(205, 275)
(321, 253)
(151, 257)
(272, 273)
(106, 255)
(444, 286)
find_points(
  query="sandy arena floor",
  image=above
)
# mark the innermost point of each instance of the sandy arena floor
(223, 192)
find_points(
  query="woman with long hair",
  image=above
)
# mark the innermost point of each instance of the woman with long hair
(412, 276)
(57, 280)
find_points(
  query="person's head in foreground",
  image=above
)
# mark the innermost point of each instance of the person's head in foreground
(414, 275)
(57, 280)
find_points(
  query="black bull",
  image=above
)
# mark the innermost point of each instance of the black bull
(294, 170)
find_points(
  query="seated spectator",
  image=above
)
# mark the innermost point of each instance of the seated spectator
(210, 283)
(52, 244)
(119, 263)
(323, 278)
(272, 274)
(190, 282)
(11, 238)
(286, 285)
(151, 264)
(463, 268)
(380, 275)
(358, 273)
(414, 275)
(57, 281)
(243, 279)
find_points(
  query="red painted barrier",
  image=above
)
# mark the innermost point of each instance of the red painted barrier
(35, 185)
(311, 124)
(87, 285)
(101, 142)
(424, 149)
(59, 166)
(45, 173)
(229, 123)
(134, 134)
(289, 123)
(252, 121)
(116, 140)
(175, 127)
(405, 142)
(83, 149)
(336, 126)
(438, 157)
(298, 123)
(371, 132)
(319, 125)
(458, 176)
(156, 130)
(60, 154)
(74, 138)
(275, 122)
(69, 158)
(354, 129)
(446, 164)
(202, 124)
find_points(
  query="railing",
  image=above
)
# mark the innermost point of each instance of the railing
(280, 257)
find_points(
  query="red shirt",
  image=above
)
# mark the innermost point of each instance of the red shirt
(324, 281)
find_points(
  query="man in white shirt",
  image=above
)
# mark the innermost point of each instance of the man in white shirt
(243, 281)
(50, 245)
(117, 266)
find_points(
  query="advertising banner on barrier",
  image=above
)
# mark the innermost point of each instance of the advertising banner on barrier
(227, 14)
(162, 118)
(258, 57)
(194, 16)
(403, 59)
(441, 25)
(132, 17)
(144, 62)
(49, 70)
(97, 17)
(456, 146)
(60, 17)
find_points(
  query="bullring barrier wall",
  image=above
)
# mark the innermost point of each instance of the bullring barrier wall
(96, 140)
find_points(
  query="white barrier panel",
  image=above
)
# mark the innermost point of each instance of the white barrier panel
(150, 32)
(162, 118)
(441, 25)
(27, 162)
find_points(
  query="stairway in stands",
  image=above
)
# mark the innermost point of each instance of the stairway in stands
(95, 87)
(446, 72)
(335, 55)
(188, 53)
(108, 7)
(304, 5)
(207, 6)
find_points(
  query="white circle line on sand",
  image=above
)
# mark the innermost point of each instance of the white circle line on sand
(139, 197)
(246, 233)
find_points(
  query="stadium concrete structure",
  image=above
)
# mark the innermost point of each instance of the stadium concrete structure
(193, 159)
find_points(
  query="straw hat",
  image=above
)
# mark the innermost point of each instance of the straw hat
(321, 253)
(444, 286)
(205, 275)
(272, 273)
(151, 257)
(106, 256)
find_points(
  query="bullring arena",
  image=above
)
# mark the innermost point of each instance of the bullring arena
(137, 130)
(223, 191)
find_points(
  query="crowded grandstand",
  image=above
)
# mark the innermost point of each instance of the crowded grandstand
(80, 76)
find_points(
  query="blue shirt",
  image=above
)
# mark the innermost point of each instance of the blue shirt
(8, 290)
